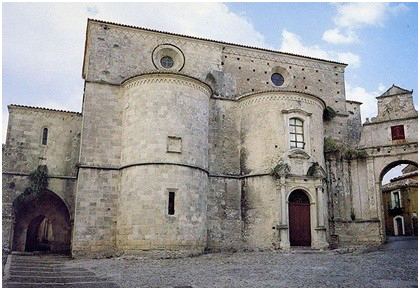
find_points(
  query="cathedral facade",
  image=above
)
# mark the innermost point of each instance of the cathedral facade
(189, 144)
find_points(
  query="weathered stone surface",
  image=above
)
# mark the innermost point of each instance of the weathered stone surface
(210, 130)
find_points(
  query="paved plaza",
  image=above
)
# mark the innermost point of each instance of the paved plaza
(391, 265)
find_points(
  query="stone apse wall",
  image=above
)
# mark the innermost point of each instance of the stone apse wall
(210, 128)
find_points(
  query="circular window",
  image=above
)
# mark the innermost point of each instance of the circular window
(166, 62)
(277, 79)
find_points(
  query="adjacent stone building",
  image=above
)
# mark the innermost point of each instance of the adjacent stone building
(401, 204)
(189, 144)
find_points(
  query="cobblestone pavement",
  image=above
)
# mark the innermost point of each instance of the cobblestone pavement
(391, 265)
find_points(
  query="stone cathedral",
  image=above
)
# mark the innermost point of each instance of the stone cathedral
(192, 145)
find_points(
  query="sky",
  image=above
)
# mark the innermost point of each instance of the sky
(43, 43)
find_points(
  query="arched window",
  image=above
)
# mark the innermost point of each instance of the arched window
(296, 133)
(44, 136)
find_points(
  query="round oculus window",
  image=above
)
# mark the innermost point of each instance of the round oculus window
(167, 62)
(277, 79)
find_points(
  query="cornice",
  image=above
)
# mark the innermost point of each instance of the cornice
(166, 77)
(299, 111)
(281, 95)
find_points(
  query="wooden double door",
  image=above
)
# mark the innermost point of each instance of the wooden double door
(299, 219)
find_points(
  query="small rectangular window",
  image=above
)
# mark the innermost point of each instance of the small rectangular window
(44, 136)
(397, 132)
(171, 203)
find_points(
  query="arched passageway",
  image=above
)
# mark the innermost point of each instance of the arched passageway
(42, 223)
(299, 219)
(399, 193)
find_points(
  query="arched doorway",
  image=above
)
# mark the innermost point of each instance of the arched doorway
(42, 223)
(299, 219)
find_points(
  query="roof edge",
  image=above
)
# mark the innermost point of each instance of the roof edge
(354, 102)
(215, 41)
(43, 109)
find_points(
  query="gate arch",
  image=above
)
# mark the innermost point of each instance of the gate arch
(41, 223)
(392, 164)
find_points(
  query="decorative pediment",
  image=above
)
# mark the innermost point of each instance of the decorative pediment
(281, 169)
(298, 111)
(316, 170)
(299, 154)
(395, 90)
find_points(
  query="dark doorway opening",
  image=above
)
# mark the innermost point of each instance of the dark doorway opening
(39, 235)
(299, 219)
(42, 223)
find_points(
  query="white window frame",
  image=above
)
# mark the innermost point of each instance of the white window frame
(295, 134)
(393, 201)
(306, 118)
(396, 225)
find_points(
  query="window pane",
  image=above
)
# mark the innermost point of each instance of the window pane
(292, 129)
(299, 138)
(299, 122)
(299, 130)
(300, 145)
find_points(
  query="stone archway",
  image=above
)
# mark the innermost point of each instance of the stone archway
(393, 164)
(42, 223)
(396, 214)
(299, 219)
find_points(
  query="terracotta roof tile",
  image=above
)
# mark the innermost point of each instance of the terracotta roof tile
(41, 108)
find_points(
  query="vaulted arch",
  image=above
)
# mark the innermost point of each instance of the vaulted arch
(41, 223)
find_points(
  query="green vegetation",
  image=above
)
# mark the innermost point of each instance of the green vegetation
(329, 114)
(332, 146)
(38, 182)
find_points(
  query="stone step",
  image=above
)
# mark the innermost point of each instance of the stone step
(55, 279)
(47, 256)
(44, 269)
(30, 271)
(34, 264)
(60, 285)
(33, 260)
(52, 273)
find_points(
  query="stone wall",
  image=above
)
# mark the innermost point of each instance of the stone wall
(24, 152)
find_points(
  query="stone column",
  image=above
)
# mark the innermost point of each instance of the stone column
(371, 189)
(321, 231)
(380, 209)
(319, 207)
(284, 221)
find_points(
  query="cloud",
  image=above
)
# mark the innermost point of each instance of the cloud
(369, 107)
(337, 37)
(358, 14)
(292, 43)
(400, 8)
(43, 43)
(354, 16)
(348, 57)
